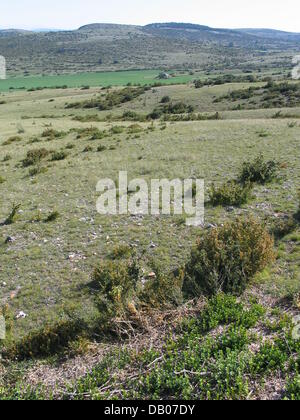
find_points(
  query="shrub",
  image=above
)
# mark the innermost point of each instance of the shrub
(59, 155)
(293, 389)
(37, 170)
(11, 140)
(111, 99)
(52, 134)
(270, 357)
(283, 227)
(33, 157)
(165, 100)
(6, 158)
(164, 290)
(6, 313)
(155, 114)
(230, 194)
(134, 128)
(98, 135)
(87, 149)
(87, 118)
(259, 171)
(178, 108)
(226, 258)
(2, 180)
(88, 132)
(54, 215)
(13, 215)
(121, 251)
(198, 84)
(133, 116)
(101, 148)
(117, 129)
(47, 341)
(116, 283)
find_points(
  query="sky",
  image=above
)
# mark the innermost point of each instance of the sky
(71, 14)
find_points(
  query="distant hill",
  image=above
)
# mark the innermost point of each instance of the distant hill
(46, 30)
(170, 46)
(189, 27)
(272, 33)
(13, 32)
(106, 26)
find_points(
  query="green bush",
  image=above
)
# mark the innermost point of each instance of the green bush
(259, 171)
(6, 313)
(116, 283)
(37, 170)
(121, 251)
(34, 156)
(54, 215)
(133, 116)
(230, 193)
(51, 134)
(87, 149)
(101, 148)
(59, 155)
(92, 132)
(47, 341)
(293, 389)
(283, 227)
(163, 291)
(111, 99)
(6, 158)
(12, 215)
(165, 100)
(116, 129)
(134, 129)
(11, 140)
(226, 258)
(270, 357)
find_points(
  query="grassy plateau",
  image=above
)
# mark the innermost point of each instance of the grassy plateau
(101, 307)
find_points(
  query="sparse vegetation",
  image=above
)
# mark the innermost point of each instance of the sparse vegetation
(272, 95)
(111, 99)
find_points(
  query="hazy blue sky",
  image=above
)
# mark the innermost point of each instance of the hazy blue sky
(71, 14)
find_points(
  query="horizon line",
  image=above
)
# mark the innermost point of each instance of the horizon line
(54, 29)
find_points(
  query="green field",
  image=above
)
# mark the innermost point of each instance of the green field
(118, 78)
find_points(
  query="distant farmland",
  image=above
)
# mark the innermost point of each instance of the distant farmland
(119, 78)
